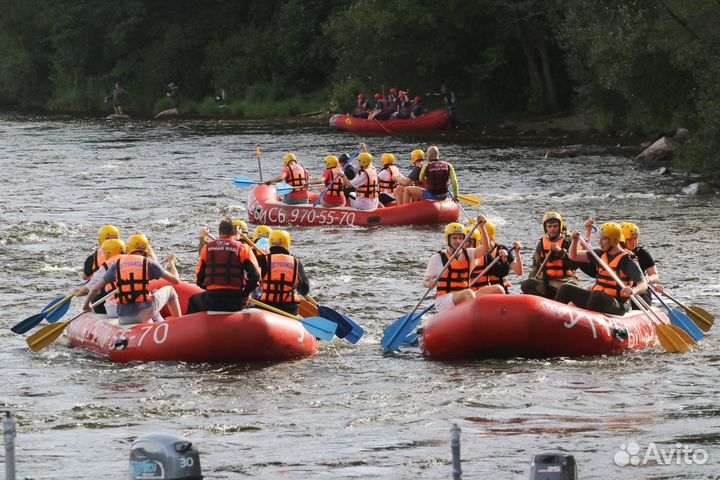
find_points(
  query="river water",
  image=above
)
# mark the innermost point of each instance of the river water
(349, 412)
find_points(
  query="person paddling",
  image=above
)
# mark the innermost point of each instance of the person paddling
(497, 275)
(334, 196)
(606, 295)
(417, 158)
(367, 189)
(631, 234)
(388, 179)
(113, 249)
(296, 176)
(97, 258)
(439, 174)
(283, 275)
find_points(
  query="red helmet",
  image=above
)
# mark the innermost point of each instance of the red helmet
(378, 96)
(394, 91)
(361, 96)
(403, 95)
(418, 99)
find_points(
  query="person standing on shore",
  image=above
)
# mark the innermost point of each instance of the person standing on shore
(118, 96)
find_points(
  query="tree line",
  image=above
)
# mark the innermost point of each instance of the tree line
(642, 65)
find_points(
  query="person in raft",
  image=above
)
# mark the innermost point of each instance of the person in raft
(261, 237)
(241, 232)
(227, 270)
(367, 189)
(334, 195)
(558, 269)
(417, 158)
(362, 107)
(283, 276)
(497, 276)
(118, 96)
(112, 249)
(631, 234)
(296, 176)
(388, 179)
(97, 258)
(132, 274)
(452, 287)
(439, 175)
(606, 295)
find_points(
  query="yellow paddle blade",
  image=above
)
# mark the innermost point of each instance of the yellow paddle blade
(46, 336)
(307, 309)
(702, 318)
(470, 200)
(311, 300)
(670, 340)
(257, 150)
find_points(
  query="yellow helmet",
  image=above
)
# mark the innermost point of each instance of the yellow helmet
(417, 155)
(106, 232)
(364, 159)
(491, 230)
(476, 235)
(112, 247)
(261, 231)
(288, 158)
(387, 159)
(613, 232)
(331, 161)
(553, 216)
(280, 238)
(138, 243)
(452, 229)
(241, 226)
(629, 230)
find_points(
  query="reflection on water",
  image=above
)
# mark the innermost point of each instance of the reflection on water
(350, 412)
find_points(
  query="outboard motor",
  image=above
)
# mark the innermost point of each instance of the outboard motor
(162, 456)
(553, 466)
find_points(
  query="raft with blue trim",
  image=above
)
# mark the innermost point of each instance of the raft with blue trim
(431, 121)
(531, 326)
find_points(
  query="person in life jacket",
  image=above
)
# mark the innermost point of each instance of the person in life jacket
(452, 286)
(112, 249)
(417, 158)
(242, 230)
(296, 176)
(334, 195)
(283, 275)
(558, 269)
(495, 280)
(418, 107)
(261, 237)
(439, 175)
(95, 259)
(404, 107)
(381, 110)
(606, 296)
(366, 184)
(132, 274)
(228, 272)
(362, 107)
(388, 179)
(631, 234)
(392, 100)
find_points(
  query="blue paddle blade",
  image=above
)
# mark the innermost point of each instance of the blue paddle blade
(244, 182)
(412, 340)
(283, 188)
(29, 323)
(319, 327)
(356, 333)
(346, 327)
(680, 319)
(394, 335)
(59, 312)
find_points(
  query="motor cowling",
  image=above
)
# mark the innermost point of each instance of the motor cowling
(163, 456)
(553, 466)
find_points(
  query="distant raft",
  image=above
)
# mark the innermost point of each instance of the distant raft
(247, 336)
(436, 120)
(265, 208)
(531, 326)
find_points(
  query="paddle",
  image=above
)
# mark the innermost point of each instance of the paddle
(470, 200)
(700, 316)
(327, 187)
(542, 265)
(48, 334)
(387, 130)
(395, 333)
(53, 312)
(669, 338)
(257, 151)
(281, 188)
(679, 319)
(346, 327)
(317, 327)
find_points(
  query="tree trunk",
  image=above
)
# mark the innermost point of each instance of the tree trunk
(549, 85)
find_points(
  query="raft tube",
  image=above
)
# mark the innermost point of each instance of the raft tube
(435, 120)
(531, 326)
(264, 208)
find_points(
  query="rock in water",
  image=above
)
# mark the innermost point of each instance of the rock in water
(698, 188)
(661, 152)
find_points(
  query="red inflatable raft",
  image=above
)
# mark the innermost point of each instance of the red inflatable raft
(530, 326)
(436, 120)
(249, 335)
(264, 208)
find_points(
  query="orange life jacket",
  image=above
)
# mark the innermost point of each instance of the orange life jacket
(224, 267)
(604, 281)
(555, 268)
(280, 279)
(370, 188)
(335, 182)
(455, 277)
(98, 260)
(388, 186)
(132, 279)
(298, 177)
(106, 266)
(488, 279)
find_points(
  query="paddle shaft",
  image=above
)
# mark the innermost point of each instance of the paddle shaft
(676, 301)
(342, 172)
(275, 310)
(257, 151)
(542, 265)
(64, 300)
(485, 271)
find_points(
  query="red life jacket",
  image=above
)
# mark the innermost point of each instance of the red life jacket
(298, 177)
(224, 267)
(437, 175)
(604, 281)
(280, 279)
(370, 189)
(336, 188)
(456, 276)
(555, 268)
(488, 278)
(362, 107)
(388, 186)
(132, 279)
